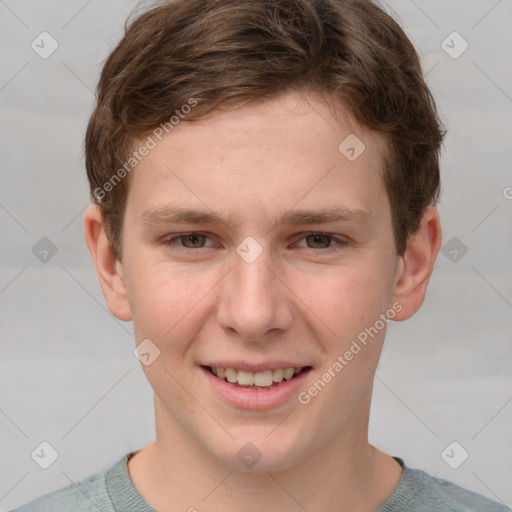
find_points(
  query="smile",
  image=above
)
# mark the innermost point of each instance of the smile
(255, 386)
(265, 379)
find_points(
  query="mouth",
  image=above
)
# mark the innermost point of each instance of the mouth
(261, 380)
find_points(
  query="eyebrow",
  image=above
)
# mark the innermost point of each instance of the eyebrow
(170, 215)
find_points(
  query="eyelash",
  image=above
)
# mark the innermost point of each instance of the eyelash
(171, 242)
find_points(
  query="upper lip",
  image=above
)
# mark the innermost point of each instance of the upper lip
(258, 367)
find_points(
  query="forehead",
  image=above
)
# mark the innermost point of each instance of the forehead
(264, 158)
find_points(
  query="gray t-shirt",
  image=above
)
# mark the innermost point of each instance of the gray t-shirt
(113, 491)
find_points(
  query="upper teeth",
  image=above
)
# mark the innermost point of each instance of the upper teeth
(263, 379)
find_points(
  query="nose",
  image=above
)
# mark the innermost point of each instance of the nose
(254, 302)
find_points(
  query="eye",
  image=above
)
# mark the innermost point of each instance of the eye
(322, 241)
(188, 241)
(318, 240)
(193, 240)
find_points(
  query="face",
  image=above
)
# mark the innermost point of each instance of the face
(255, 249)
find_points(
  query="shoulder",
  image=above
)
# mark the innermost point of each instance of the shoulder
(88, 495)
(419, 492)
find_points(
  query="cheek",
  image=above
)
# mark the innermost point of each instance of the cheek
(350, 301)
(166, 302)
(346, 299)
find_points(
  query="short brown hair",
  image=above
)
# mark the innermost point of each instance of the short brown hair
(224, 53)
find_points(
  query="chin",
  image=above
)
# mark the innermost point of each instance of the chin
(254, 451)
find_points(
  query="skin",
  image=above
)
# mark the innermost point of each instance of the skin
(304, 299)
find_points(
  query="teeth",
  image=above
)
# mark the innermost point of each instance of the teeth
(231, 375)
(263, 379)
(245, 378)
(288, 373)
(278, 375)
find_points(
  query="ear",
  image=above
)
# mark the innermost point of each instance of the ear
(416, 265)
(109, 269)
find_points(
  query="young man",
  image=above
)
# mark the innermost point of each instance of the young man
(264, 177)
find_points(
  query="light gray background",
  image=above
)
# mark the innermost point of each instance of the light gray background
(68, 375)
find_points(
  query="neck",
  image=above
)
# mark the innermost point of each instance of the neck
(345, 473)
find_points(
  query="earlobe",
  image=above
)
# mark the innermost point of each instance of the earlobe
(416, 264)
(108, 267)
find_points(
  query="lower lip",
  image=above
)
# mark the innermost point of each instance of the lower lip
(255, 399)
